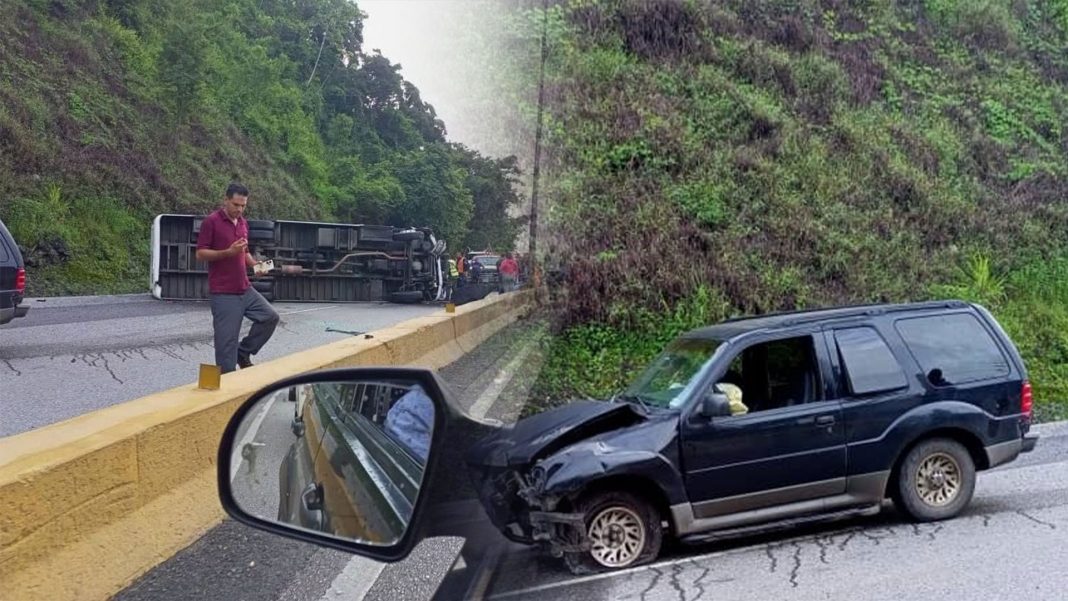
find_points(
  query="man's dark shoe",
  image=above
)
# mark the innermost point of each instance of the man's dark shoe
(243, 360)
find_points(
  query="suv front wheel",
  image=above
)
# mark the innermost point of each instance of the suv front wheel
(936, 480)
(623, 531)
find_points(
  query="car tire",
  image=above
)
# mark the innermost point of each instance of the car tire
(408, 297)
(936, 480)
(260, 224)
(265, 288)
(624, 531)
(261, 235)
(408, 236)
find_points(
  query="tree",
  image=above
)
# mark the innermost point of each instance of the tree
(181, 66)
(493, 184)
(434, 193)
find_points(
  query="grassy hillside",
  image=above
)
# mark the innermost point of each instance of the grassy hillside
(707, 159)
(112, 111)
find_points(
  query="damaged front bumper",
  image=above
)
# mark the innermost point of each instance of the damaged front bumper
(560, 532)
(524, 514)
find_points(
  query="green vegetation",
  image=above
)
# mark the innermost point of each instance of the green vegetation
(707, 159)
(112, 111)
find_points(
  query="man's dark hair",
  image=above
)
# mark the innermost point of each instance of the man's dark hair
(236, 189)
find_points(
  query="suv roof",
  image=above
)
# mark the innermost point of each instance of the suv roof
(743, 325)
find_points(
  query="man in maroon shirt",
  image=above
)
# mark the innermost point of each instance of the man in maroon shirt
(223, 245)
(509, 271)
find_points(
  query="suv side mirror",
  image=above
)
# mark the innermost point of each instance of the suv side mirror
(936, 378)
(716, 405)
(369, 494)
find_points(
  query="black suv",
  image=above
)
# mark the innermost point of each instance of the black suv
(12, 278)
(763, 423)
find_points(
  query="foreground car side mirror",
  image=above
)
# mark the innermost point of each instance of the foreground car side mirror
(355, 475)
(716, 405)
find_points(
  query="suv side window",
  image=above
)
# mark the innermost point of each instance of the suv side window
(956, 345)
(869, 365)
(5, 256)
(772, 375)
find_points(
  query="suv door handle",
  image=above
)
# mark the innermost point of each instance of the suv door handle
(823, 420)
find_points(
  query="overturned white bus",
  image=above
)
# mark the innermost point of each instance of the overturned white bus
(317, 262)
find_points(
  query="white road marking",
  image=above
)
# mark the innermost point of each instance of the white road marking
(357, 577)
(308, 310)
(485, 400)
(250, 434)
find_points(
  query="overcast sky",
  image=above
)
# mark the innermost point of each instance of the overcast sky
(432, 40)
(441, 46)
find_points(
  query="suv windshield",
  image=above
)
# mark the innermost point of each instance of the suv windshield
(663, 382)
(487, 260)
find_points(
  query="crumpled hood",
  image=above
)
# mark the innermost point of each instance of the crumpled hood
(541, 434)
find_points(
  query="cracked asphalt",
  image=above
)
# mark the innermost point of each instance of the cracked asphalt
(1011, 542)
(73, 355)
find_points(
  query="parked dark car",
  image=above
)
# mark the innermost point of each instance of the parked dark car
(12, 278)
(489, 262)
(763, 423)
(347, 473)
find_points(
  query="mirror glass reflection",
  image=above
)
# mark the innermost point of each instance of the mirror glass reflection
(340, 458)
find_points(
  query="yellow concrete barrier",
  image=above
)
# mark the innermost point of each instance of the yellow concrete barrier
(90, 504)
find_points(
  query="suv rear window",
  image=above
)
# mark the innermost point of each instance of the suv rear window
(5, 256)
(869, 365)
(957, 344)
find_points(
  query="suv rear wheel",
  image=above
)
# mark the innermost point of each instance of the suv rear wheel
(936, 480)
(623, 531)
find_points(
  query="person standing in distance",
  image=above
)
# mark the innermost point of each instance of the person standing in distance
(509, 270)
(223, 245)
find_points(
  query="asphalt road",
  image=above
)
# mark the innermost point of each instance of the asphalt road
(266, 432)
(73, 355)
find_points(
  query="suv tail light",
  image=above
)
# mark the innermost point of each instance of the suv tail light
(20, 281)
(1026, 398)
